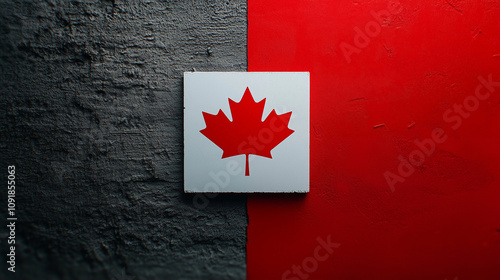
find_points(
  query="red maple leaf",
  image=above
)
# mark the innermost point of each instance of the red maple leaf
(247, 134)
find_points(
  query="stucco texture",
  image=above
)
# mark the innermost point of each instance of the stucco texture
(91, 116)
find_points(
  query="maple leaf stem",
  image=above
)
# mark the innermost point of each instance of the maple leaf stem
(247, 168)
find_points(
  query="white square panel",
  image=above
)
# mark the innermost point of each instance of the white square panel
(246, 132)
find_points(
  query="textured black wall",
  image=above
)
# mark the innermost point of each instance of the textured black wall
(91, 115)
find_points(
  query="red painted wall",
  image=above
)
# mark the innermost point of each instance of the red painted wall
(372, 97)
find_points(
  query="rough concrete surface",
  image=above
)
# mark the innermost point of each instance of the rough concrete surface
(91, 115)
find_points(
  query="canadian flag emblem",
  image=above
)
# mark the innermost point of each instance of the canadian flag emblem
(263, 116)
(247, 134)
